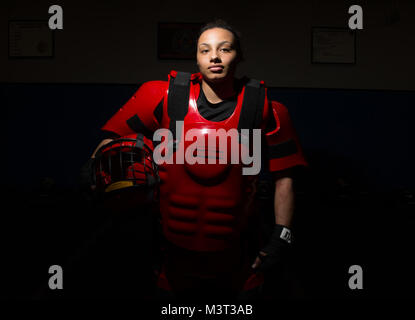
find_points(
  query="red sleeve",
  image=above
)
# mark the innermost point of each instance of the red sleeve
(284, 149)
(137, 115)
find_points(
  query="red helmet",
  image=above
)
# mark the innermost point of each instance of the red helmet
(125, 168)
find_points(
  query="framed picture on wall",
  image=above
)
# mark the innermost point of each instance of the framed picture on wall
(177, 40)
(30, 39)
(333, 45)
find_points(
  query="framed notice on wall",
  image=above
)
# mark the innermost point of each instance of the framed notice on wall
(333, 45)
(177, 40)
(30, 39)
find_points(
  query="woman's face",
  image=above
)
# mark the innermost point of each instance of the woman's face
(216, 54)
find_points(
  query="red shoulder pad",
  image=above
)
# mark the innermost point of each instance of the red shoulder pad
(284, 148)
(139, 110)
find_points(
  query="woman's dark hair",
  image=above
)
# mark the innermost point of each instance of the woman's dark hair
(220, 23)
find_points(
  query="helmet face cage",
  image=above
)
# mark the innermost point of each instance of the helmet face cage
(125, 162)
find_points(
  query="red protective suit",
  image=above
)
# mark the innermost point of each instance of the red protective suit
(205, 207)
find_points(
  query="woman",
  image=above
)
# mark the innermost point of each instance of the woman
(205, 209)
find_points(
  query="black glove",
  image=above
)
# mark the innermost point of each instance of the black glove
(274, 254)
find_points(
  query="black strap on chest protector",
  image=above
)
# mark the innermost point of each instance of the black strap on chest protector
(252, 107)
(178, 100)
